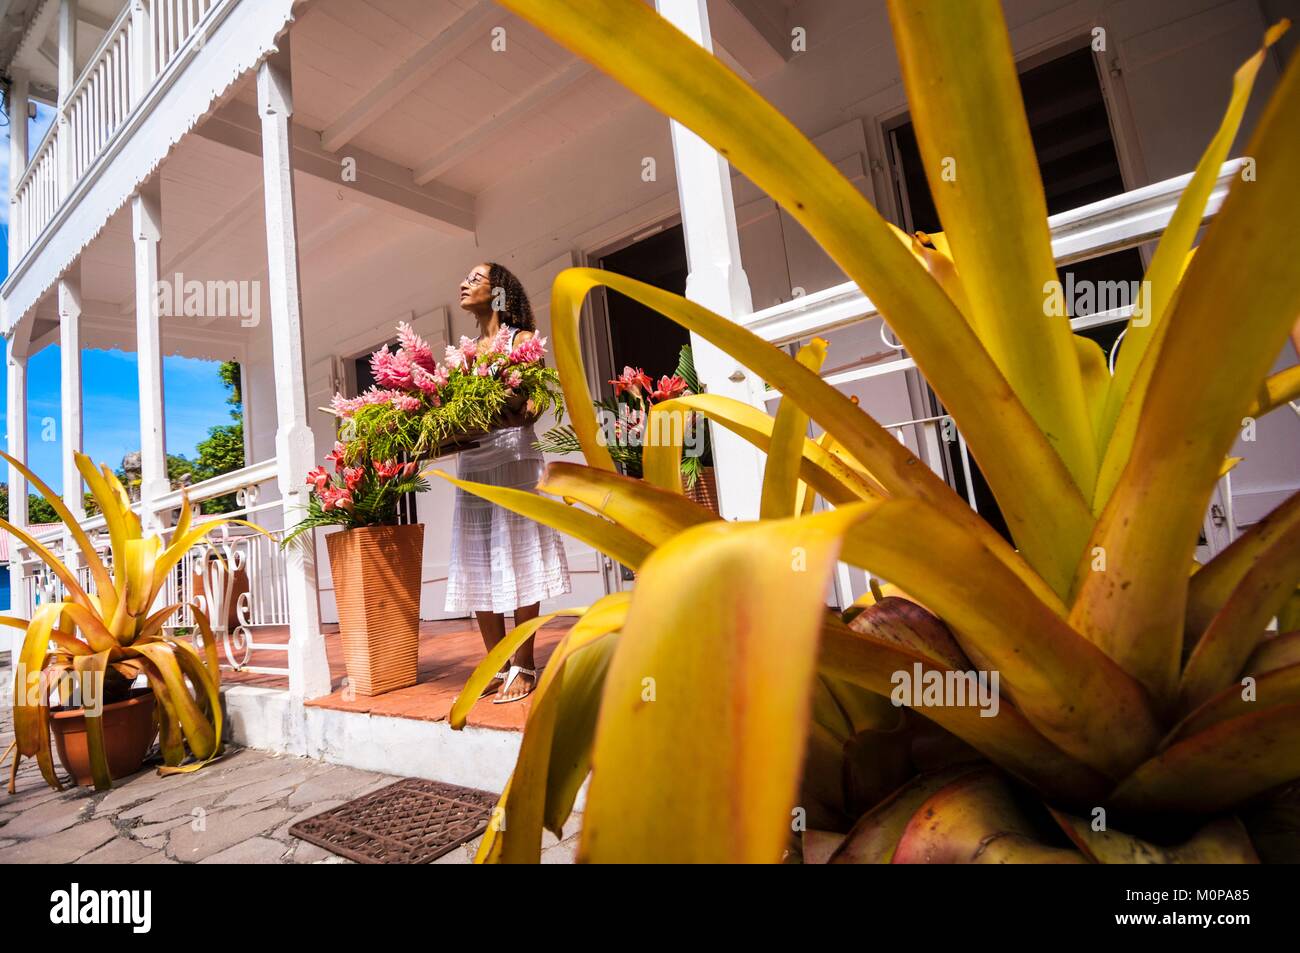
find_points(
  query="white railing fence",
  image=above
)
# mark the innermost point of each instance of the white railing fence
(235, 575)
(1122, 221)
(141, 45)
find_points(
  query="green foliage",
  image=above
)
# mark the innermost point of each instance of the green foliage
(372, 503)
(469, 405)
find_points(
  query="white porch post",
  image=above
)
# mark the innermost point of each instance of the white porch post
(70, 395)
(16, 377)
(146, 223)
(18, 104)
(716, 280)
(67, 76)
(295, 445)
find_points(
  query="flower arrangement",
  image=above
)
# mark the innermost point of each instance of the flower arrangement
(624, 419)
(364, 493)
(419, 403)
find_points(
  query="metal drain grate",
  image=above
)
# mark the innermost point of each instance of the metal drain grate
(410, 822)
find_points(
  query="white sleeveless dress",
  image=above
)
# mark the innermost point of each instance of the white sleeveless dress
(499, 559)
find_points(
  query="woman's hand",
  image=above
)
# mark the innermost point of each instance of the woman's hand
(519, 411)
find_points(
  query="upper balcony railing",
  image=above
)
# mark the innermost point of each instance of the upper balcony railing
(141, 46)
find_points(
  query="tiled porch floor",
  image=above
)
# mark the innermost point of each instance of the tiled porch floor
(449, 652)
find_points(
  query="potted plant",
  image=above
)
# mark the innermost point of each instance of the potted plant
(375, 562)
(625, 416)
(91, 648)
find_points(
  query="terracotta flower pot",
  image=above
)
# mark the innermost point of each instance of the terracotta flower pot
(377, 588)
(129, 730)
(705, 491)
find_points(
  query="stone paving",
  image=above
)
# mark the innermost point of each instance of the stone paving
(237, 810)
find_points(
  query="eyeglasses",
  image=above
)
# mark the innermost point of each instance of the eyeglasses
(473, 279)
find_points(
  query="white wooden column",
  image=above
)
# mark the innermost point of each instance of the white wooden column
(16, 409)
(717, 281)
(146, 224)
(67, 76)
(70, 395)
(18, 105)
(295, 446)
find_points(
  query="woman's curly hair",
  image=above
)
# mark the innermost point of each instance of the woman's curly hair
(516, 310)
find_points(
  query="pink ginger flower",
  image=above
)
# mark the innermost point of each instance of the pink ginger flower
(529, 352)
(483, 370)
(429, 382)
(391, 370)
(387, 469)
(406, 402)
(468, 347)
(455, 358)
(669, 387)
(633, 379)
(500, 342)
(416, 348)
(515, 379)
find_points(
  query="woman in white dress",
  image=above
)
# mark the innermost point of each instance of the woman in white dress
(500, 561)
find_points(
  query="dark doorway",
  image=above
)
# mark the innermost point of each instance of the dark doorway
(639, 336)
(1078, 162)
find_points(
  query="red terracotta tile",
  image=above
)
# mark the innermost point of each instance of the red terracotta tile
(449, 653)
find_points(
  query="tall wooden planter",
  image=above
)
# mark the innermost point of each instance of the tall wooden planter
(377, 588)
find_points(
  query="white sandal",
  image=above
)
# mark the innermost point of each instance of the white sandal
(515, 672)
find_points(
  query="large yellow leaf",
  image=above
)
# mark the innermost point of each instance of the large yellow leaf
(1148, 530)
(525, 808)
(1069, 691)
(836, 480)
(645, 53)
(970, 124)
(1051, 535)
(1238, 628)
(873, 659)
(785, 455)
(599, 533)
(700, 740)
(90, 670)
(653, 514)
(1214, 583)
(103, 582)
(1166, 265)
(1219, 767)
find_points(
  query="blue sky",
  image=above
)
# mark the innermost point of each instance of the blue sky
(195, 398)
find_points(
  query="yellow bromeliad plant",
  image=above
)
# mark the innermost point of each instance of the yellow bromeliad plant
(111, 635)
(721, 705)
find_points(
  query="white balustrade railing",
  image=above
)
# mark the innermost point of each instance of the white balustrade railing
(37, 196)
(140, 47)
(236, 575)
(172, 23)
(101, 99)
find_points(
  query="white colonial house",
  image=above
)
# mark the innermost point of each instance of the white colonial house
(322, 169)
